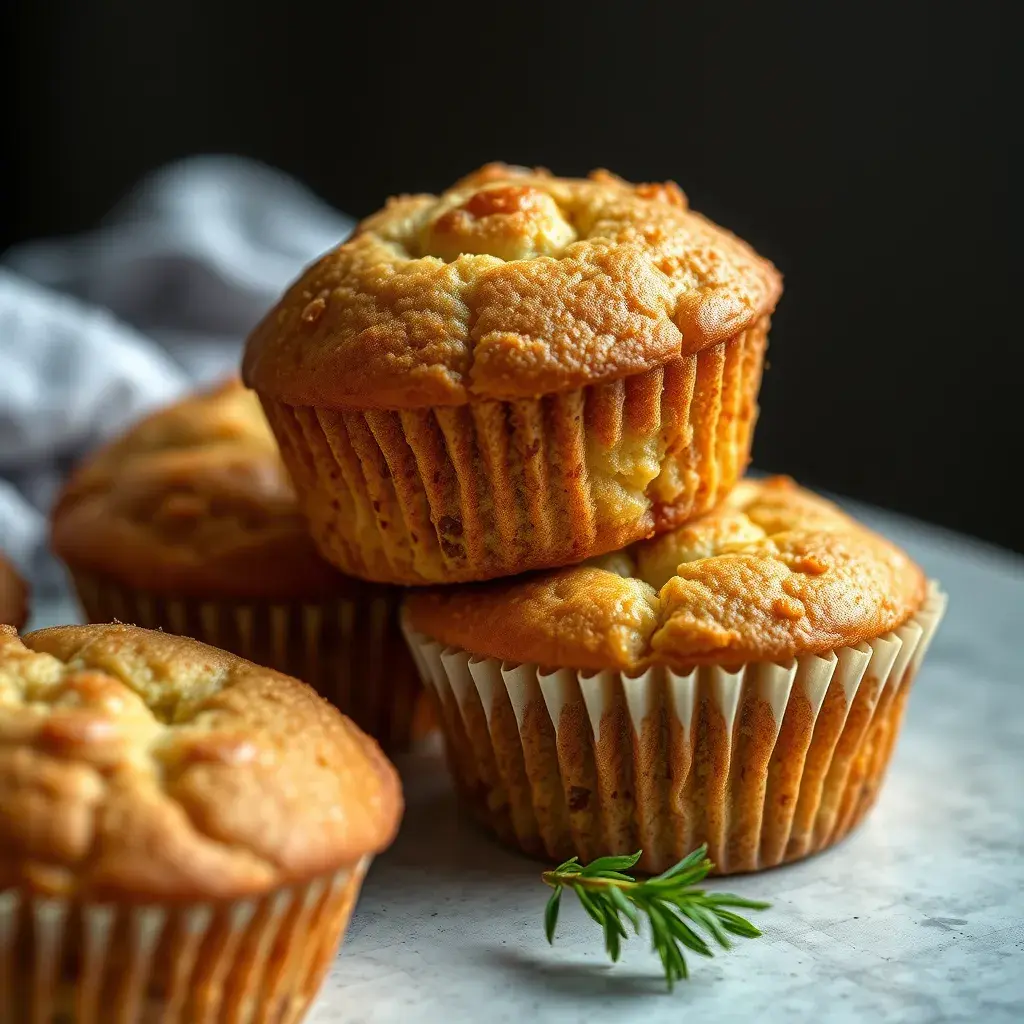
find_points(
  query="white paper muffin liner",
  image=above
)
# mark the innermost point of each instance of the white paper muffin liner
(350, 651)
(766, 763)
(258, 961)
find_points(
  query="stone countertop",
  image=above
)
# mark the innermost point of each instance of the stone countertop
(918, 917)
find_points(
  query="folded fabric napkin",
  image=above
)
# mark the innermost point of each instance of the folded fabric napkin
(97, 329)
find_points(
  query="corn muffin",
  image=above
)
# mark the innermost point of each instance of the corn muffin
(520, 373)
(183, 833)
(738, 681)
(189, 523)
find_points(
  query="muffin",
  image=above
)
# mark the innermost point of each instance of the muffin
(738, 681)
(183, 834)
(521, 373)
(13, 596)
(188, 523)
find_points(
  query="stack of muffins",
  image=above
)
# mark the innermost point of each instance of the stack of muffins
(553, 377)
(511, 423)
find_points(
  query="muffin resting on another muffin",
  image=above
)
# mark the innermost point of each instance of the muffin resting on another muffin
(520, 373)
(183, 834)
(739, 681)
(188, 523)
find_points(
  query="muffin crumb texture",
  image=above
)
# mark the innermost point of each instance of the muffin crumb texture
(512, 284)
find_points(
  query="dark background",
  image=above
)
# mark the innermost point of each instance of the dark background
(862, 147)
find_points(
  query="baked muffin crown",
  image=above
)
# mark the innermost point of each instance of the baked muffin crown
(193, 500)
(135, 764)
(772, 573)
(513, 283)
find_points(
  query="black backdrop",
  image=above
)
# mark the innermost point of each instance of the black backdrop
(862, 146)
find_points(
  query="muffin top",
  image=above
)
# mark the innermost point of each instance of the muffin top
(195, 501)
(138, 765)
(772, 573)
(513, 283)
(13, 596)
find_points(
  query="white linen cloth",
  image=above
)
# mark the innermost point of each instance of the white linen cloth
(97, 329)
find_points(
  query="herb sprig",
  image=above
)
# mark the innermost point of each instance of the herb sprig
(676, 911)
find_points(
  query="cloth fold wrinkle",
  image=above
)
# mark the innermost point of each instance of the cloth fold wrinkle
(98, 329)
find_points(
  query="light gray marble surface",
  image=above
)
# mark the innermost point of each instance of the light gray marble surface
(916, 918)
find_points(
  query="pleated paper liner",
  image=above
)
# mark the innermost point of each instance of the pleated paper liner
(259, 961)
(493, 488)
(349, 651)
(766, 763)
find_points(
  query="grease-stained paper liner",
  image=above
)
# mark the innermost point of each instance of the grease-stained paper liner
(766, 763)
(350, 651)
(491, 488)
(258, 961)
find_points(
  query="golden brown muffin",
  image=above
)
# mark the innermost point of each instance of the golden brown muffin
(181, 831)
(738, 681)
(189, 523)
(13, 596)
(520, 373)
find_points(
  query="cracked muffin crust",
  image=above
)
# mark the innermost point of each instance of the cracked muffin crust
(141, 766)
(511, 284)
(772, 573)
(520, 373)
(13, 596)
(188, 522)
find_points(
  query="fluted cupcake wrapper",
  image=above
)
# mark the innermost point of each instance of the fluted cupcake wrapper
(766, 762)
(493, 488)
(258, 961)
(350, 651)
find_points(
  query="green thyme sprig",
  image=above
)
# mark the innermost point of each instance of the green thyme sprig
(676, 911)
